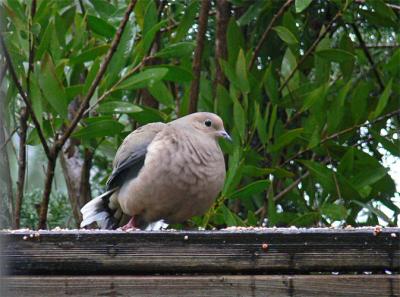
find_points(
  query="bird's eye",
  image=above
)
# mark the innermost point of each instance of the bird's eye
(207, 123)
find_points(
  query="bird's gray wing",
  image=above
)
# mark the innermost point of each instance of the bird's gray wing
(130, 156)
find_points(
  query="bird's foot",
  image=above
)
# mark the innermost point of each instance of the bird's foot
(130, 226)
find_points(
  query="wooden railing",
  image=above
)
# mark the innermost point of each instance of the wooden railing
(258, 262)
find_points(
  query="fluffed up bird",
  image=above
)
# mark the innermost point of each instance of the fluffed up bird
(167, 172)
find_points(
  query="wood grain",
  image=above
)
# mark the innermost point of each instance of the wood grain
(285, 250)
(227, 285)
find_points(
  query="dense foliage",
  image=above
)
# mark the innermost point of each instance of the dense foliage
(309, 91)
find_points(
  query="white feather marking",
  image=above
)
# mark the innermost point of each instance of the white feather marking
(93, 211)
(158, 225)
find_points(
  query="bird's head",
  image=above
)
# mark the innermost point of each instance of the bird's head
(208, 123)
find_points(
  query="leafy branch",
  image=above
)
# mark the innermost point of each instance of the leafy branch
(310, 50)
(266, 32)
(80, 113)
(25, 98)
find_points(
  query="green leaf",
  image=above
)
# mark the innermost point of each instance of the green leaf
(73, 91)
(393, 145)
(289, 64)
(148, 115)
(336, 55)
(286, 35)
(383, 11)
(143, 78)
(143, 46)
(234, 161)
(366, 178)
(176, 73)
(161, 93)
(229, 218)
(230, 73)
(101, 128)
(315, 139)
(348, 67)
(346, 165)
(241, 73)
(151, 16)
(45, 41)
(373, 210)
(176, 50)
(302, 5)
(239, 118)
(100, 27)
(94, 69)
(251, 218)
(271, 124)
(186, 22)
(321, 173)
(120, 57)
(271, 85)
(118, 107)
(251, 170)
(334, 211)
(90, 55)
(359, 101)
(285, 139)
(146, 14)
(261, 124)
(52, 89)
(104, 8)
(383, 100)
(235, 41)
(252, 12)
(307, 219)
(250, 189)
(315, 96)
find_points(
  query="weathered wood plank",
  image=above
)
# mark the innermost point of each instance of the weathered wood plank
(228, 285)
(268, 251)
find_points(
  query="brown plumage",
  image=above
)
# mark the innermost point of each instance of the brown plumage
(167, 172)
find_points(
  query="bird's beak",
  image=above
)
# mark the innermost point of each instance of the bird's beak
(224, 135)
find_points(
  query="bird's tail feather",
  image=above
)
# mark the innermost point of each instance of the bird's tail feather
(97, 210)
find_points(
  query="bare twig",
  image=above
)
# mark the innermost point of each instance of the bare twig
(53, 153)
(83, 10)
(201, 35)
(393, 6)
(51, 165)
(85, 189)
(344, 131)
(24, 97)
(368, 55)
(266, 32)
(221, 50)
(310, 50)
(3, 72)
(23, 124)
(7, 205)
(3, 146)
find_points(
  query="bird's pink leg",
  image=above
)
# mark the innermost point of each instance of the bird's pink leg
(130, 225)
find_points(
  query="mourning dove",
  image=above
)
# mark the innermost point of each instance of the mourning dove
(167, 172)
